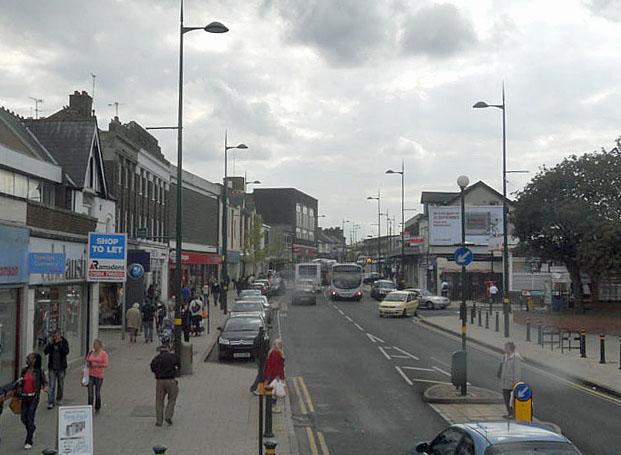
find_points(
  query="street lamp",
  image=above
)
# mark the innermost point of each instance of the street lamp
(225, 253)
(505, 248)
(402, 172)
(344, 239)
(214, 27)
(463, 181)
(379, 231)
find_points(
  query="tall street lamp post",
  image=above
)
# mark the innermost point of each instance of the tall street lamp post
(402, 172)
(344, 240)
(214, 27)
(463, 181)
(379, 231)
(225, 253)
(505, 247)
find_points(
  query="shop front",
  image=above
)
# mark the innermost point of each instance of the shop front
(197, 269)
(61, 298)
(13, 278)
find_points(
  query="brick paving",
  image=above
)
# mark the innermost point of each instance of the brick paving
(215, 413)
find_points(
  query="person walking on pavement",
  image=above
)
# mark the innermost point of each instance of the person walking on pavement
(444, 287)
(165, 366)
(509, 372)
(261, 348)
(186, 322)
(196, 311)
(494, 293)
(96, 360)
(275, 367)
(185, 293)
(134, 321)
(56, 350)
(33, 380)
(215, 291)
(148, 316)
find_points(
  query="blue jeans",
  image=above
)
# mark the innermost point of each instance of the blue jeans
(57, 385)
(94, 391)
(148, 330)
(29, 408)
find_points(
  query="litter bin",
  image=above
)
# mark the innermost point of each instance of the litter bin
(458, 368)
(185, 358)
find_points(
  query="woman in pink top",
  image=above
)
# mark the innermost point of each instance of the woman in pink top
(96, 360)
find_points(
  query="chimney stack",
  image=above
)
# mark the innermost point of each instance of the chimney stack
(81, 103)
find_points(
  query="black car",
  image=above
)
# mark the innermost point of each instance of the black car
(238, 337)
(371, 277)
(381, 288)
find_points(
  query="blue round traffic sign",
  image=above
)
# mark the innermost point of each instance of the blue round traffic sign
(463, 256)
(136, 270)
(522, 392)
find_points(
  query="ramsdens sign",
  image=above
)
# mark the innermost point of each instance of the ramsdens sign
(107, 257)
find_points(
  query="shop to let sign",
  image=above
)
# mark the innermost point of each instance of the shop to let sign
(107, 257)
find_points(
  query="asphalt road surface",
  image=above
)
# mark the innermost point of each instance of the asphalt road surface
(358, 381)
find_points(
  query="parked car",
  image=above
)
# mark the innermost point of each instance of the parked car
(263, 300)
(238, 335)
(261, 287)
(497, 438)
(304, 292)
(380, 288)
(370, 277)
(248, 308)
(399, 303)
(267, 284)
(426, 299)
(247, 292)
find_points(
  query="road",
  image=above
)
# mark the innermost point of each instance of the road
(358, 382)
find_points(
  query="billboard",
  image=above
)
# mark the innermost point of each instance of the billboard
(107, 257)
(483, 225)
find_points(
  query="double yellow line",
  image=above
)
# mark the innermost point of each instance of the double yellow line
(316, 440)
(313, 444)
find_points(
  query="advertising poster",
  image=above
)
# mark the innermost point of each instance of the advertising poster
(107, 257)
(483, 225)
(75, 430)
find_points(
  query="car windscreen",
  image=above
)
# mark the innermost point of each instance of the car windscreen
(387, 285)
(250, 292)
(532, 448)
(244, 307)
(425, 292)
(255, 297)
(395, 297)
(242, 324)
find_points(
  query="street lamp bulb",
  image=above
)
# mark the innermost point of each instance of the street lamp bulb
(390, 171)
(463, 181)
(371, 198)
(241, 146)
(216, 27)
(480, 104)
(256, 182)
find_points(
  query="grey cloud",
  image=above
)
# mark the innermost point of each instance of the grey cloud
(437, 31)
(608, 9)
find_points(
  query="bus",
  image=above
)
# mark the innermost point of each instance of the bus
(309, 271)
(346, 282)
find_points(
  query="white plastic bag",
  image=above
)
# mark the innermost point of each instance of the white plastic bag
(85, 376)
(279, 388)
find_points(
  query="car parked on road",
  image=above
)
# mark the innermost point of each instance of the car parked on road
(497, 438)
(426, 299)
(247, 292)
(304, 292)
(263, 300)
(399, 303)
(370, 277)
(248, 308)
(381, 288)
(238, 336)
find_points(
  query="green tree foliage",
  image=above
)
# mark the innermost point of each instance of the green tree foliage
(254, 250)
(570, 214)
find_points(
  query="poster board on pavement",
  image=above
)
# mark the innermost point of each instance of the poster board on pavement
(75, 430)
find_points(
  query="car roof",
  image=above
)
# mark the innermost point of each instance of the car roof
(511, 431)
(404, 292)
(246, 302)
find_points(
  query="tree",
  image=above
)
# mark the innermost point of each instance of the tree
(254, 250)
(568, 214)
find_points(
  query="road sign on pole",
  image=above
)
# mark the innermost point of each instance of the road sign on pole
(522, 402)
(463, 256)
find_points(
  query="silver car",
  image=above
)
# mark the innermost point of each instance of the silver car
(428, 300)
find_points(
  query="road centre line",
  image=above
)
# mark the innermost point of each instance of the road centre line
(322, 443)
(299, 394)
(404, 376)
(349, 319)
(383, 352)
(442, 371)
(359, 327)
(311, 441)
(373, 338)
(406, 353)
(309, 402)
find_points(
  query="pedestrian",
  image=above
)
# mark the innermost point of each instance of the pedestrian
(509, 372)
(165, 366)
(185, 293)
(57, 350)
(444, 287)
(261, 348)
(160, 314)
(151, 293)
(186, 322)
(205, 292)
(134, 321)
(148, 316)
(494, 293)
(196, 312)
(96, 360)
(215, 291)
(33, 381)
(275, 367)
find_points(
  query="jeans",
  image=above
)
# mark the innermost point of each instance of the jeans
(57, 385)
(94, 385)
(148, 330)
(506, 394)
(29, 408)
(260, 377)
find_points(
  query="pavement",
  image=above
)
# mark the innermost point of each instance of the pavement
(588, 371)
(214, 414)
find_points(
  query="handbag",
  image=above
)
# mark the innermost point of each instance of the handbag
(279, 388)
(85, 376)
(16, 405)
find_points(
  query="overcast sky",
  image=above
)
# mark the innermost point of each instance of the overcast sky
(328, 94)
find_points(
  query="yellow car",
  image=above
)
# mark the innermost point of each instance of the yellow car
(399, 303)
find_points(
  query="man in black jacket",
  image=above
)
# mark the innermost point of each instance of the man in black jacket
(148, 316)
(165, 366)
(57, 350)
(261, 348)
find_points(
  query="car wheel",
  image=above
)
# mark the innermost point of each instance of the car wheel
(405, 313)
(381, 315)
(416, 312)
(431, 305)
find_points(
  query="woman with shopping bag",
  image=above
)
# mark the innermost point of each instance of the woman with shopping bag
(275, 370)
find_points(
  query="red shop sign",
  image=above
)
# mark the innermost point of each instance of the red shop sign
(196, 258)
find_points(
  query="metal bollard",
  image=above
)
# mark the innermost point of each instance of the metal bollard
(602, 348)
(159, 449)
(583, 343)
(528, 330)
(270, 447)
(497, 321)
(479, 317)
(539, 333)
(49, 452)
(268, 413)
(487, 319)
(261, 393)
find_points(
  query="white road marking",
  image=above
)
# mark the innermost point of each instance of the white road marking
(418, 369)
(404, 376)
(412, 356)
(359, 327)
(440, 361)
(349, 319)
(384, 352)
(431, 382)
(374, 339)
(341, 311)
(442, 371)
(400, 357)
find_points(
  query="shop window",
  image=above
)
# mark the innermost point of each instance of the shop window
(21, 186)
(8, 334)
